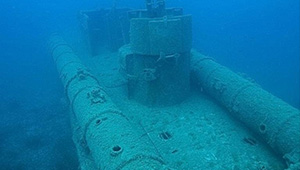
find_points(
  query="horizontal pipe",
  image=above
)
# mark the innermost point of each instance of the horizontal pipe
(106, 134)
(275, 121)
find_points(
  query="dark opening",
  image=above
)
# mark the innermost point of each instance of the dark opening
(165, 135)
(116, 148)
(174, 151)
(98, 121)
(250, 141)
(262, 128)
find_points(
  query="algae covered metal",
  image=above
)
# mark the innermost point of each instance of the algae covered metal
(275, 121)
(172, 107)
(156, 62)
(105, 131)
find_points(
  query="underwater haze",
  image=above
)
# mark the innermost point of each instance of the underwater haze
(258, 38)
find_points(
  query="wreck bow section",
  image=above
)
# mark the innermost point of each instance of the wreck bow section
(104, 137)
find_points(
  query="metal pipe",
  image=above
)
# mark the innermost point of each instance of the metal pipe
(275, 121)
(102, 131)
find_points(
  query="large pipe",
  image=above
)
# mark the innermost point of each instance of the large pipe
(275, 121)
(102, 132)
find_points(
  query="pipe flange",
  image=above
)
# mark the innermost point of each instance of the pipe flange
(116, 150)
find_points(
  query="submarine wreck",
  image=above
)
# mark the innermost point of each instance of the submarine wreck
(143, 99)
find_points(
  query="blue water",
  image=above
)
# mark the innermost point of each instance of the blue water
(259, 38)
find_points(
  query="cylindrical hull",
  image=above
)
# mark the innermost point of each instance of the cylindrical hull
(103, 133)
(274, 120)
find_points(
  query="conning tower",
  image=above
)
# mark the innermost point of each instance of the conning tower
(156, 62)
